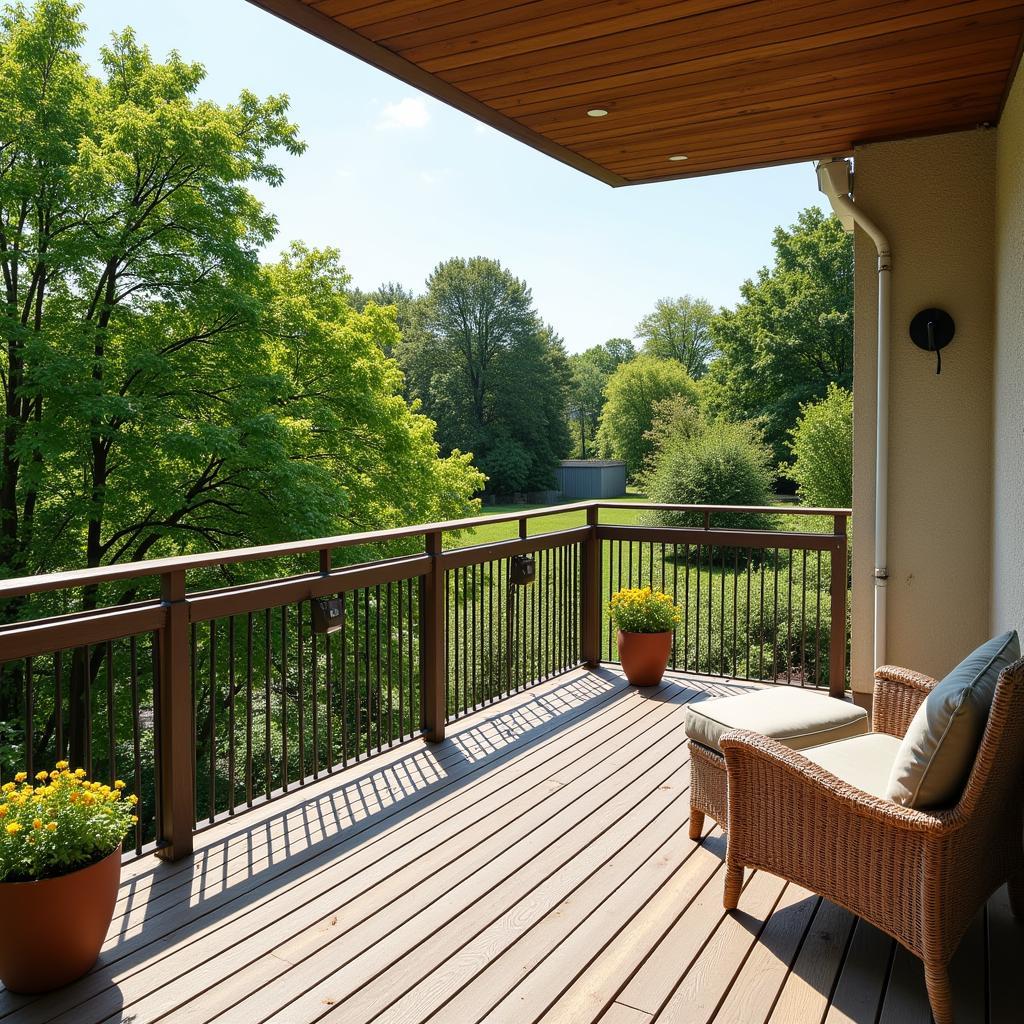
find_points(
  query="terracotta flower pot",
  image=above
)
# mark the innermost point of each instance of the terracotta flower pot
(53, 929)
(644, 656)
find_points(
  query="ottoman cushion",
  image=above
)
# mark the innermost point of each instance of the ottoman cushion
(798, 718)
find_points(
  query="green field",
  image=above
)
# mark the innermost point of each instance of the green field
(543, 524)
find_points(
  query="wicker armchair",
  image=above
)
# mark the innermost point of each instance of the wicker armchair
(918, 876)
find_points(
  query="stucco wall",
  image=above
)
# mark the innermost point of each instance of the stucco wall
(1008, 387)
(935, 198)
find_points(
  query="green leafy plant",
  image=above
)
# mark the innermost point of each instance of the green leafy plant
(643, 610)
(822, 447)
(722, 464)
(62, 823)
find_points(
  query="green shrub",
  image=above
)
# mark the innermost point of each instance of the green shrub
(722, 464)
(822, 447)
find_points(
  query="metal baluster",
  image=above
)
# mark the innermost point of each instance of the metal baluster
(133, 677)
(231, 715)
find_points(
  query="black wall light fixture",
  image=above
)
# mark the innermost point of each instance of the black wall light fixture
(932, 330)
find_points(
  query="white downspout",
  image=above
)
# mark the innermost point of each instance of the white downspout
(834, 180)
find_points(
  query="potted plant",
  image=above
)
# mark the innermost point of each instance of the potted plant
(645, 619)
(60, 866)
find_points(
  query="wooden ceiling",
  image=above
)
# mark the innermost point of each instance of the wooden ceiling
(728, 85)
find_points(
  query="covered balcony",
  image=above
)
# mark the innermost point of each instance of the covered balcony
(380, 780)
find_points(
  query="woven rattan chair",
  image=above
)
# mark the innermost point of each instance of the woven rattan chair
(919, 876)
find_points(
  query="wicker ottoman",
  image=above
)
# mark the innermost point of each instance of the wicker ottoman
(798, 718)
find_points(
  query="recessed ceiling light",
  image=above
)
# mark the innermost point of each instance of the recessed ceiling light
(597, 112)
(678, 156)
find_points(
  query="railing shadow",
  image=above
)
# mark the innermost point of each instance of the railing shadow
(163, 908)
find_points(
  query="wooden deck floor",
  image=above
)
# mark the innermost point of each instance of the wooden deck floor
(535, 866)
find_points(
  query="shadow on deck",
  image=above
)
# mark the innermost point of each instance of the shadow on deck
(533, 866)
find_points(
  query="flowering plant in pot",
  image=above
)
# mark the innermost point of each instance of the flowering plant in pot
(645, 619)
(60, 865)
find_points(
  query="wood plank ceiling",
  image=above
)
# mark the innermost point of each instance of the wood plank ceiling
(727, 85)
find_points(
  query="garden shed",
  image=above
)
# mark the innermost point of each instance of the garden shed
(591, 478)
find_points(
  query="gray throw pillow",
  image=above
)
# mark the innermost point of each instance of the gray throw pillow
(938, 751)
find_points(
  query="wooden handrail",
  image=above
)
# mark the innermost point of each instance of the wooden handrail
(24, 585)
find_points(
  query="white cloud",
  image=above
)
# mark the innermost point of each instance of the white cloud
(412, 112)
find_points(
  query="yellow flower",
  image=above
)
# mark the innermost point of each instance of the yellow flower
(7, 787)
(88, 799)
(75, 797)
(42, 776)
(62, 765)
(51, 826)
(37, 823)
(21, 777)
(119, 784)
(133, 799)
(79, 773)
(13, 829)
(135, 819)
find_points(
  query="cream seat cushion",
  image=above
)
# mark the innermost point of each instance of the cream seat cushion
(862, 761)
(798, 718)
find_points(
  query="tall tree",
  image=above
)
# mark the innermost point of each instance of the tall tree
(680, 329)
(491, 374)
(162, 391)
(791, 336)
(633, 395)
(404, 302)
(591, 370)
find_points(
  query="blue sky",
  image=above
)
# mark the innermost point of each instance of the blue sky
(399, 182)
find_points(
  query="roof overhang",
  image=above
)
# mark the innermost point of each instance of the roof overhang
(727, 85)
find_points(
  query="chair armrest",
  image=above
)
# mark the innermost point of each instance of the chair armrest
(899, 692)
(761, 769)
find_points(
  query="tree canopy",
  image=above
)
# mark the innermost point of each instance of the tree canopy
(791, 336)
(591, 370)
(491, 373)
(632, 396)
(163, 391)
(822, 447)
(680, 329)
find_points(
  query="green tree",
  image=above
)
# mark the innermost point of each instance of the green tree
(632, 393)
(822, 447)
(163, 392)
(680, 329)
(491, 374)
(724, 463)
(591, 370)
(791, 336)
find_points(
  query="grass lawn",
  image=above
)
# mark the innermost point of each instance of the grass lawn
(614, 517)
(543, 524)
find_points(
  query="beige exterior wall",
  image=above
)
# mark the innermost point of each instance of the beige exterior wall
(1008, 383)
(935, 198)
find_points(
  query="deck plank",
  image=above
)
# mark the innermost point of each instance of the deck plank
(534, 867)
(357, 852)
(480, 883)
(346, 922)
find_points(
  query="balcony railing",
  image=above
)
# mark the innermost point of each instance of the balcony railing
(209, 699)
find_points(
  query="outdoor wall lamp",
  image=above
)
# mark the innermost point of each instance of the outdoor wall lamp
(328, 614)
(932, 330)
